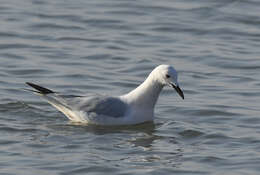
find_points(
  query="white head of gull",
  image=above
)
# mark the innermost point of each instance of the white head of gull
(134, 107)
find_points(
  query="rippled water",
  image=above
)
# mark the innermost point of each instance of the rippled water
(110, 47)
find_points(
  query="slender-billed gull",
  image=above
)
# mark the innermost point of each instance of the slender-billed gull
(134, 107)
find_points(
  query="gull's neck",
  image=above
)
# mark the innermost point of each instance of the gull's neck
(146, 94)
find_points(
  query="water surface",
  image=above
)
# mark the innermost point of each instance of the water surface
(109, 47)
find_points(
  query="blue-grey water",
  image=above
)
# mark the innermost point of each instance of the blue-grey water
(109, 47)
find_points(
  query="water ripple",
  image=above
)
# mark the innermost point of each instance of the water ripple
(110, 47)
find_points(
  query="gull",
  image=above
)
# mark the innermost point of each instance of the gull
(135, 107)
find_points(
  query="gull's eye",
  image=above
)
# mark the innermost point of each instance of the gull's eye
(168, 76)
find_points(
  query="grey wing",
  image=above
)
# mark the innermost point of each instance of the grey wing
(101, 105)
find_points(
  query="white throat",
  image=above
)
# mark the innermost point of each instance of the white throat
(146, 94)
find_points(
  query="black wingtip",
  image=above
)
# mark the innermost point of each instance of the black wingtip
(40, 89)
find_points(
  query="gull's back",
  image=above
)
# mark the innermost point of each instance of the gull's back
(100, 105)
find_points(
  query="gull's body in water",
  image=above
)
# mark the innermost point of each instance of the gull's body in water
(134, 107)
